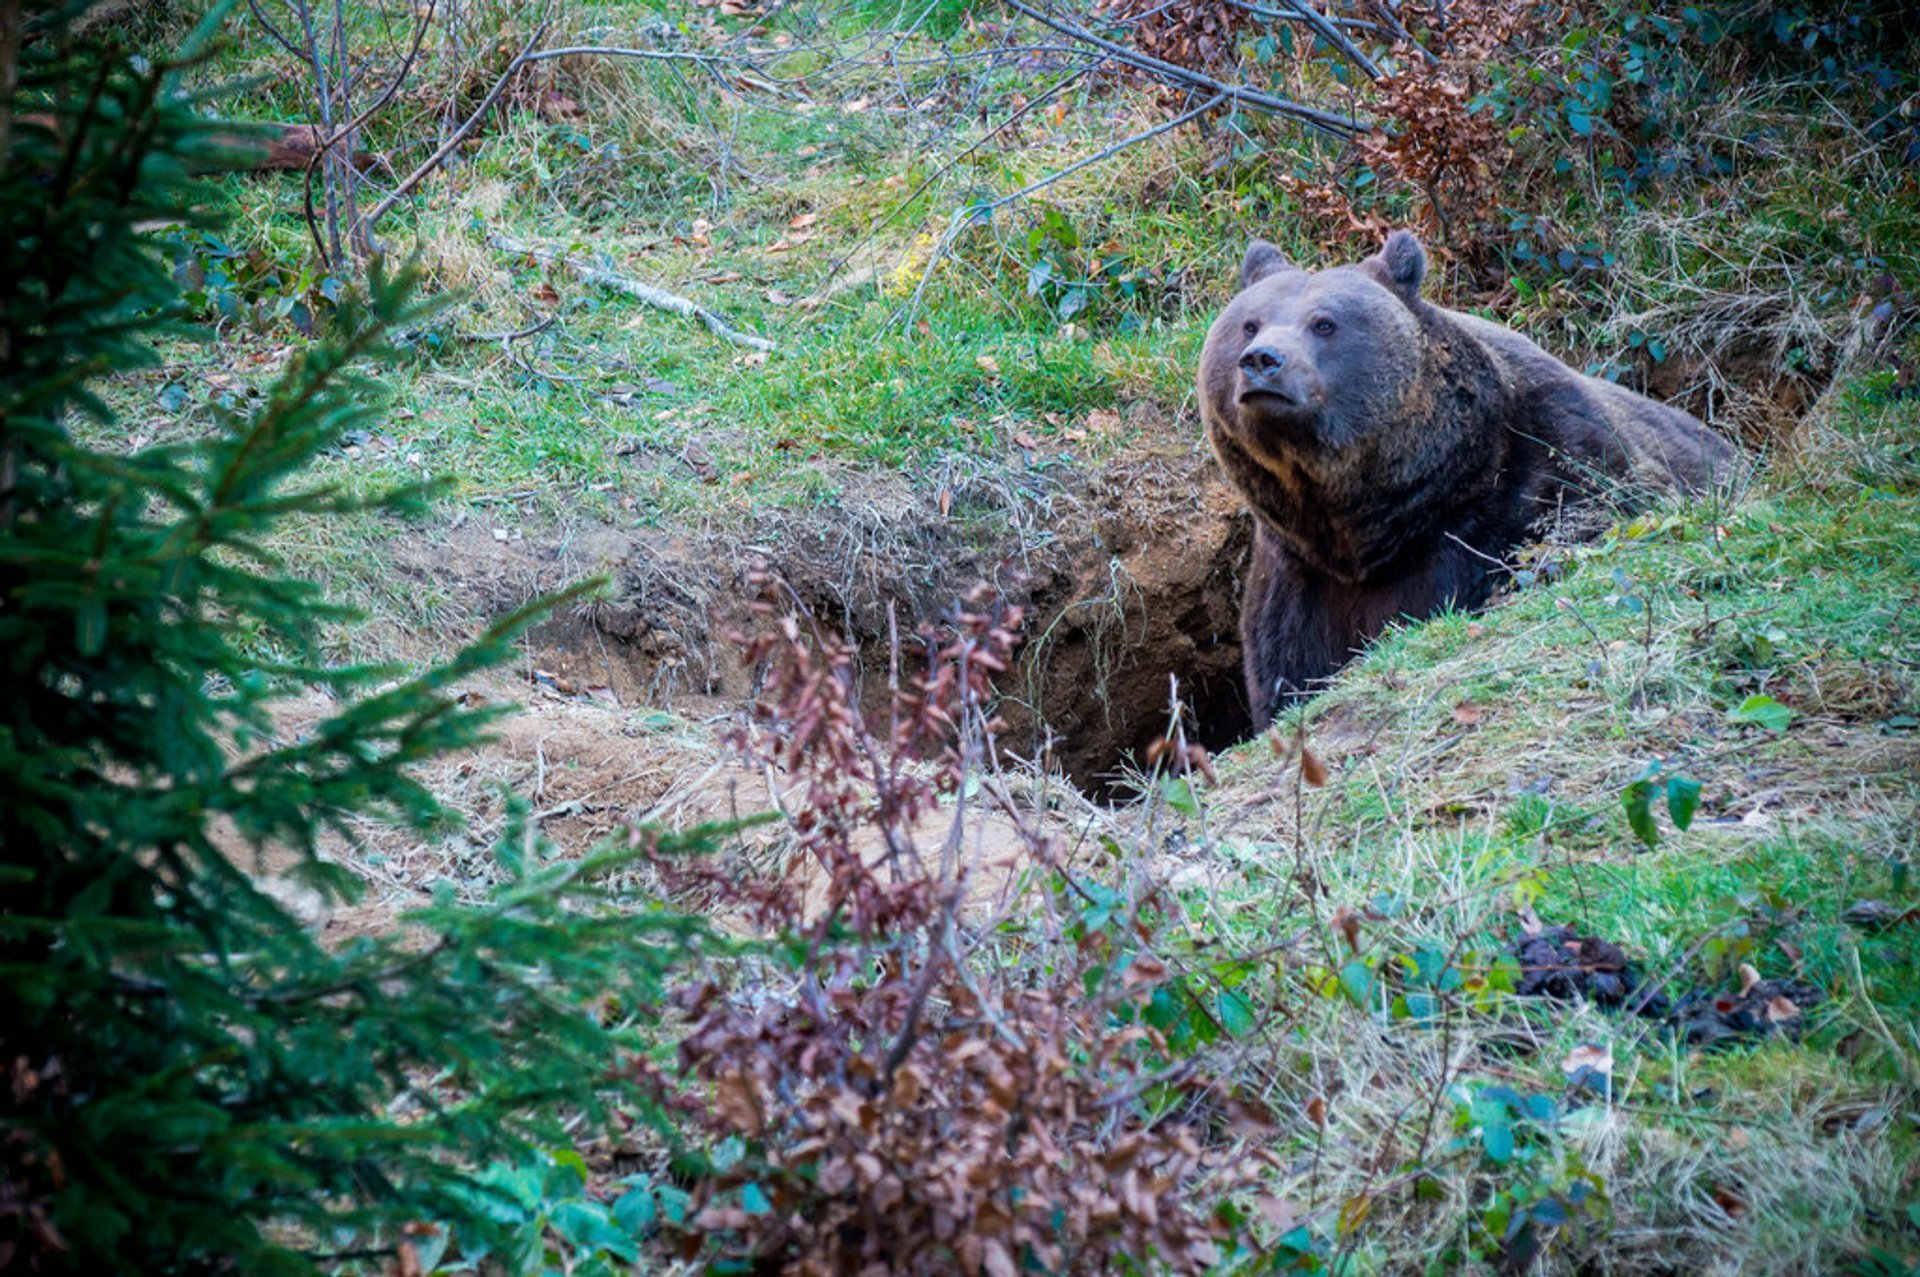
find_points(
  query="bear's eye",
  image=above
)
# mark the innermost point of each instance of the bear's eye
(1251, 327)
(1324, 327)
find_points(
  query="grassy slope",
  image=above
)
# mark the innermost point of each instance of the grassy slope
(1480, 768)
(1784, 1157)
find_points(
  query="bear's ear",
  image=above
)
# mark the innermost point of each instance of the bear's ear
(1263, 259)
(1402, 263)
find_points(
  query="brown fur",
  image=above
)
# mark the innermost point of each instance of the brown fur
(1394, 453)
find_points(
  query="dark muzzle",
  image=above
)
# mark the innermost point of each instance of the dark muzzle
(1264, 371)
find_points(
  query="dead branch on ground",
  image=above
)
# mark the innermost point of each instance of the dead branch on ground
(607, 277)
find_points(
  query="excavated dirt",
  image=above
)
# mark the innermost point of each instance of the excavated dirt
(1130, 576)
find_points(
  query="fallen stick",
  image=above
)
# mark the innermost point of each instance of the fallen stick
(658, 298)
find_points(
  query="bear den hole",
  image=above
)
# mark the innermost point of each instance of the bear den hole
(1114, 623)
(1108, 638)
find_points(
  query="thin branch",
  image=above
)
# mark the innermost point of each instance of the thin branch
(507, 338)
(968, 215)
(651, 55)
(658, 298)
(1143, 136)
(274, 33)
(1326, 121)
(948, 166)
(446, 148)
(353, 126)
(1323, 26)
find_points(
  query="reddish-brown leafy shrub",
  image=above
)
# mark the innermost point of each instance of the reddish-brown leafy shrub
(1430, 136)
(1198, 34)
(904, 1104)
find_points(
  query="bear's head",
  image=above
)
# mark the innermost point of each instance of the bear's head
(1305, 364)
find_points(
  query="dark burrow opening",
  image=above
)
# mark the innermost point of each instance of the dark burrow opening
(1130, 602)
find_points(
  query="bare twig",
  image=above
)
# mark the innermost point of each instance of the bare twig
(1133, 140)
(459, 135)
(1240, 95)
(650, 55)
(973, 212)
(605, 277)
(538, 326)
(1324, 26)
(324, 151)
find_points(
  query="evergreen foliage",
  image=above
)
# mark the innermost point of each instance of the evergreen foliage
(196, 1084)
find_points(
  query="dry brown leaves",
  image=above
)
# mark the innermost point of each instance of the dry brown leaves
(903, 1109)
(1197, 34)
(1430, 138)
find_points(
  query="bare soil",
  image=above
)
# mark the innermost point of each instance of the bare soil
(1130, 574)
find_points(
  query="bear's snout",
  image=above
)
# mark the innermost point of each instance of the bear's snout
(1261, 361)
(1268, 372)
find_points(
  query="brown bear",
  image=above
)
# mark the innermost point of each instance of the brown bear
(1395, 453)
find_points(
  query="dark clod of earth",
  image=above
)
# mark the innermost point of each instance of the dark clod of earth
(1564, 965)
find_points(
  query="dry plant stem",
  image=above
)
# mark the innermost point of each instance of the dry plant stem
(326, 150)
(446, 148)
(658, 298)
(1903, 1059)
(1313, 117)
(323, 99)
(359, 240)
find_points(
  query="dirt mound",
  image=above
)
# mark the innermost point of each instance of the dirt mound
(1130, 574)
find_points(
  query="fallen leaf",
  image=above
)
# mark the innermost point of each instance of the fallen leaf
(856, 106)
(1026, 440)
(803, 221)
(1782, 1009)
(1877, 915)
(1074, 436)
(1729, 1201)
(1317, 1111)
(544, 293)
(1748, 978)
(778, 298)
(988, 364)
(1597, 1059)
(1103, 419)
(1284, 1215)
(738, 1101)
(1312, 770)
(946, 502)
(724, 277)
(1466, 714)
(1347, 923)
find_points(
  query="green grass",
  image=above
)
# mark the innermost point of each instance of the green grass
(1479, 767)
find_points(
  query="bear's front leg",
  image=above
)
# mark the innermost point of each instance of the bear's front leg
(1288, 644)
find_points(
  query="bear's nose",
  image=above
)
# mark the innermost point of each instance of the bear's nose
(1262, 361)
